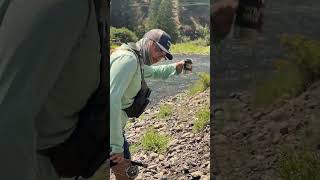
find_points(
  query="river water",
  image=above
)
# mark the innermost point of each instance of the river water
(247, 55)
(176, 84)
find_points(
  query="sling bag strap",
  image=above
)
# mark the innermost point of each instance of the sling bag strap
(137, 54)
(101, 14)
(141, 100)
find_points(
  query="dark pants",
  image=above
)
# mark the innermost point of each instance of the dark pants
(126, 152)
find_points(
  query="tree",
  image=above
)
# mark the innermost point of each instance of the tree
(165, 19)
(122, 14)
(153, 14)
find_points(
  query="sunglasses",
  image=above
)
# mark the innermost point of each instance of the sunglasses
(159, 50)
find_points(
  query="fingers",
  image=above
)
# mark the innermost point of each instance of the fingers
(179, 66)
(117, 157)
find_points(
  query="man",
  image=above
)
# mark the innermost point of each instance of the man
(49, 67)
(125, 83)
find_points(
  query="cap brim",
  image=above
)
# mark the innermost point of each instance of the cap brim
(168, 54)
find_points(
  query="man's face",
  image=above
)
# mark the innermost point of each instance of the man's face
(156, 53)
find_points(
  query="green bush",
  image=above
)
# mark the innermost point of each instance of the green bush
(287, 81)
(165, 111)
(299, 69)
(203, 119)
(298, 165)
(153, 141)
(201, 84)
(122, 35)
(203, 33)
(305, 53)
(133, 148)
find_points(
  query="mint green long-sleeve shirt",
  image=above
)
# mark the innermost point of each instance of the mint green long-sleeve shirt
(125, 83)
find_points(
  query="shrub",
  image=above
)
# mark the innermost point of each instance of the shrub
(203, 32)
(298, 165)
(165, 110)
(122, 35)
(203, 119)
(153, 141)
(134, 148)
(305, 53)
(287, 81)
(298, 70)
(201, 85)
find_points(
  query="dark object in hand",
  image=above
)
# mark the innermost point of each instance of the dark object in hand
(250, 14)
(187, 65)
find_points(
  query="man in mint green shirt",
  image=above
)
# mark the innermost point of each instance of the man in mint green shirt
(125, 83)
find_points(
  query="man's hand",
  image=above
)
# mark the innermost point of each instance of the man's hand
(179, 66)
(120, 170)
(117, 157)
(223, 13)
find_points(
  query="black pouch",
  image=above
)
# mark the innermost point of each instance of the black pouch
(140, 101)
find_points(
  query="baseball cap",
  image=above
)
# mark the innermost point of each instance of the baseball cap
(162, 39)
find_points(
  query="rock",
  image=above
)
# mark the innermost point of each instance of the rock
(161, 157)
(220, 139)
(299, 125)
(186, 135)
(260, 157)
(276, 138)
(312, 105)
(164, 178)
(173, 142)
(154, 166)
(158, 126)
(197, 174)
(179, 147)
(139, 177)
(257, 115)
(173, 160)
(185, 171)
(153, 155)
(284, 130)
(205, 177)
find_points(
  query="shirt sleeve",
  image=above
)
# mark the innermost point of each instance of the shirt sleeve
(160, 71)
(121, 73)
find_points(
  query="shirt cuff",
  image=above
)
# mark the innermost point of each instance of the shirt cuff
(116, 149)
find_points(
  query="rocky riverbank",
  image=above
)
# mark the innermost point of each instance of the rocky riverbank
(188, 152)
(248, 143)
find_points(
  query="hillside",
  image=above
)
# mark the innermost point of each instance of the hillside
(188, 153)
(267, 143)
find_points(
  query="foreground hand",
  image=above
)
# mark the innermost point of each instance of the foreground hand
(117, 157)
(223, 13)
(179, 66)
(120, 170)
